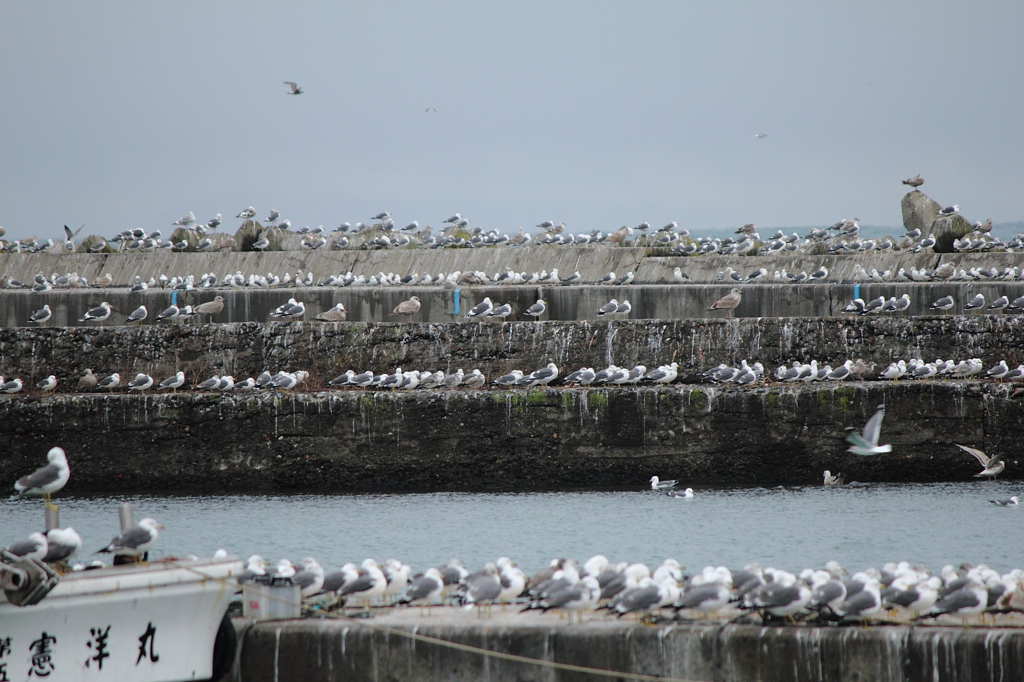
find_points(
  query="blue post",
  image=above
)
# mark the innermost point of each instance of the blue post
(455, 301)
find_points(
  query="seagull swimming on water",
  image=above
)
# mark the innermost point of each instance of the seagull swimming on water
(658, 484)
(991, 466)
(867, 443)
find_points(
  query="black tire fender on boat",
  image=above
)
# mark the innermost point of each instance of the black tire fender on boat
(224, 649)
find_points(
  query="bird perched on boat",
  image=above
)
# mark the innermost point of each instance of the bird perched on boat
(866, 443)
(991, 466)
(728, 303)
(48, 479)
(335, 314)
(134, 541)
(407, 308)
(915, 181)
(62, 545)
(34, 547)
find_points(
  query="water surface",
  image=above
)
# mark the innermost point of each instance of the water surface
(789, 528)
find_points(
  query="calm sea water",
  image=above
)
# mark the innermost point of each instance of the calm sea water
(789, 528)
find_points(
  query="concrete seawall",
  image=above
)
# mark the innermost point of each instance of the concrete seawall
(329, 651)
(526, 439)
(328, 349)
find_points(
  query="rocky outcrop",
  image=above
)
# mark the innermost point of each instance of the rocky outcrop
(947, 229)
(919, 211)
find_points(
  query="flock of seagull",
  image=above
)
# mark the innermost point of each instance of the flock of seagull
(742, 375)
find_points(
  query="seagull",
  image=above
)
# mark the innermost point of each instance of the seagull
(537, 309)
(48, 384)
(169, 314)
(991, 466)
(977, 302)
(943, 304)
(609, 308)
(335, 314)
(48, 479)
(247, 213)
(88, 381)
(482, 309)
(174, 383)
(760, 135)
(624, 308)
(35, 547)
(99, 313)
(63, 543)
(12, 386)
(625, 279)
(658, 484)
(728, 303)
(291, 309)
(950, 210)
(408, 308)
(915, 181)
(867, 443)
(502, 311)
(184, 220)
(138, 315)
(1012, 502)
(685, 494)
(829, 479)
(294, 89)
(42, 315)
(111, 382)
(135, 540)
(141, 382)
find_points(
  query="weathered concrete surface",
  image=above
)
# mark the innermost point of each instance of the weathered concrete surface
(336, 651)
(328, 349)
(593, 262)
(473, 440)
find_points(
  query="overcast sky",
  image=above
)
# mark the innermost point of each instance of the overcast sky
(599, 114)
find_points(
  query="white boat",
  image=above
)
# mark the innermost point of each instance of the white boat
(149, 622)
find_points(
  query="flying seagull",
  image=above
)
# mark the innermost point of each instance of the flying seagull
(761, 135)
(296, 90)
(915, 181)
(867, 443)
(991, 466)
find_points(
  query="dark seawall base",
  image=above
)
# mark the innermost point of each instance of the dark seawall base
(328, 651)
(528, 438)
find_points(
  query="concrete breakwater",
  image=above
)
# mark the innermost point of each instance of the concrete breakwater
(328, 349)
(535, 438)
(329, 651)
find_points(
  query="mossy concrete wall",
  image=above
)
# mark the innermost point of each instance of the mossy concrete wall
(529, 438)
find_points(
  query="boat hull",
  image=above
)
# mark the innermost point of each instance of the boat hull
(144, 623)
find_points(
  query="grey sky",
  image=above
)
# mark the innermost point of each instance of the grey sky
(600, 114)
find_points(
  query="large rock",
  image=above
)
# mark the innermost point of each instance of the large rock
(947, 229)
(85, 246)
(247, 235)
(919, 211)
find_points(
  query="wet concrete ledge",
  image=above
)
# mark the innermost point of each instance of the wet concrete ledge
(328, 349)
(521, 439)
(333, 651)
